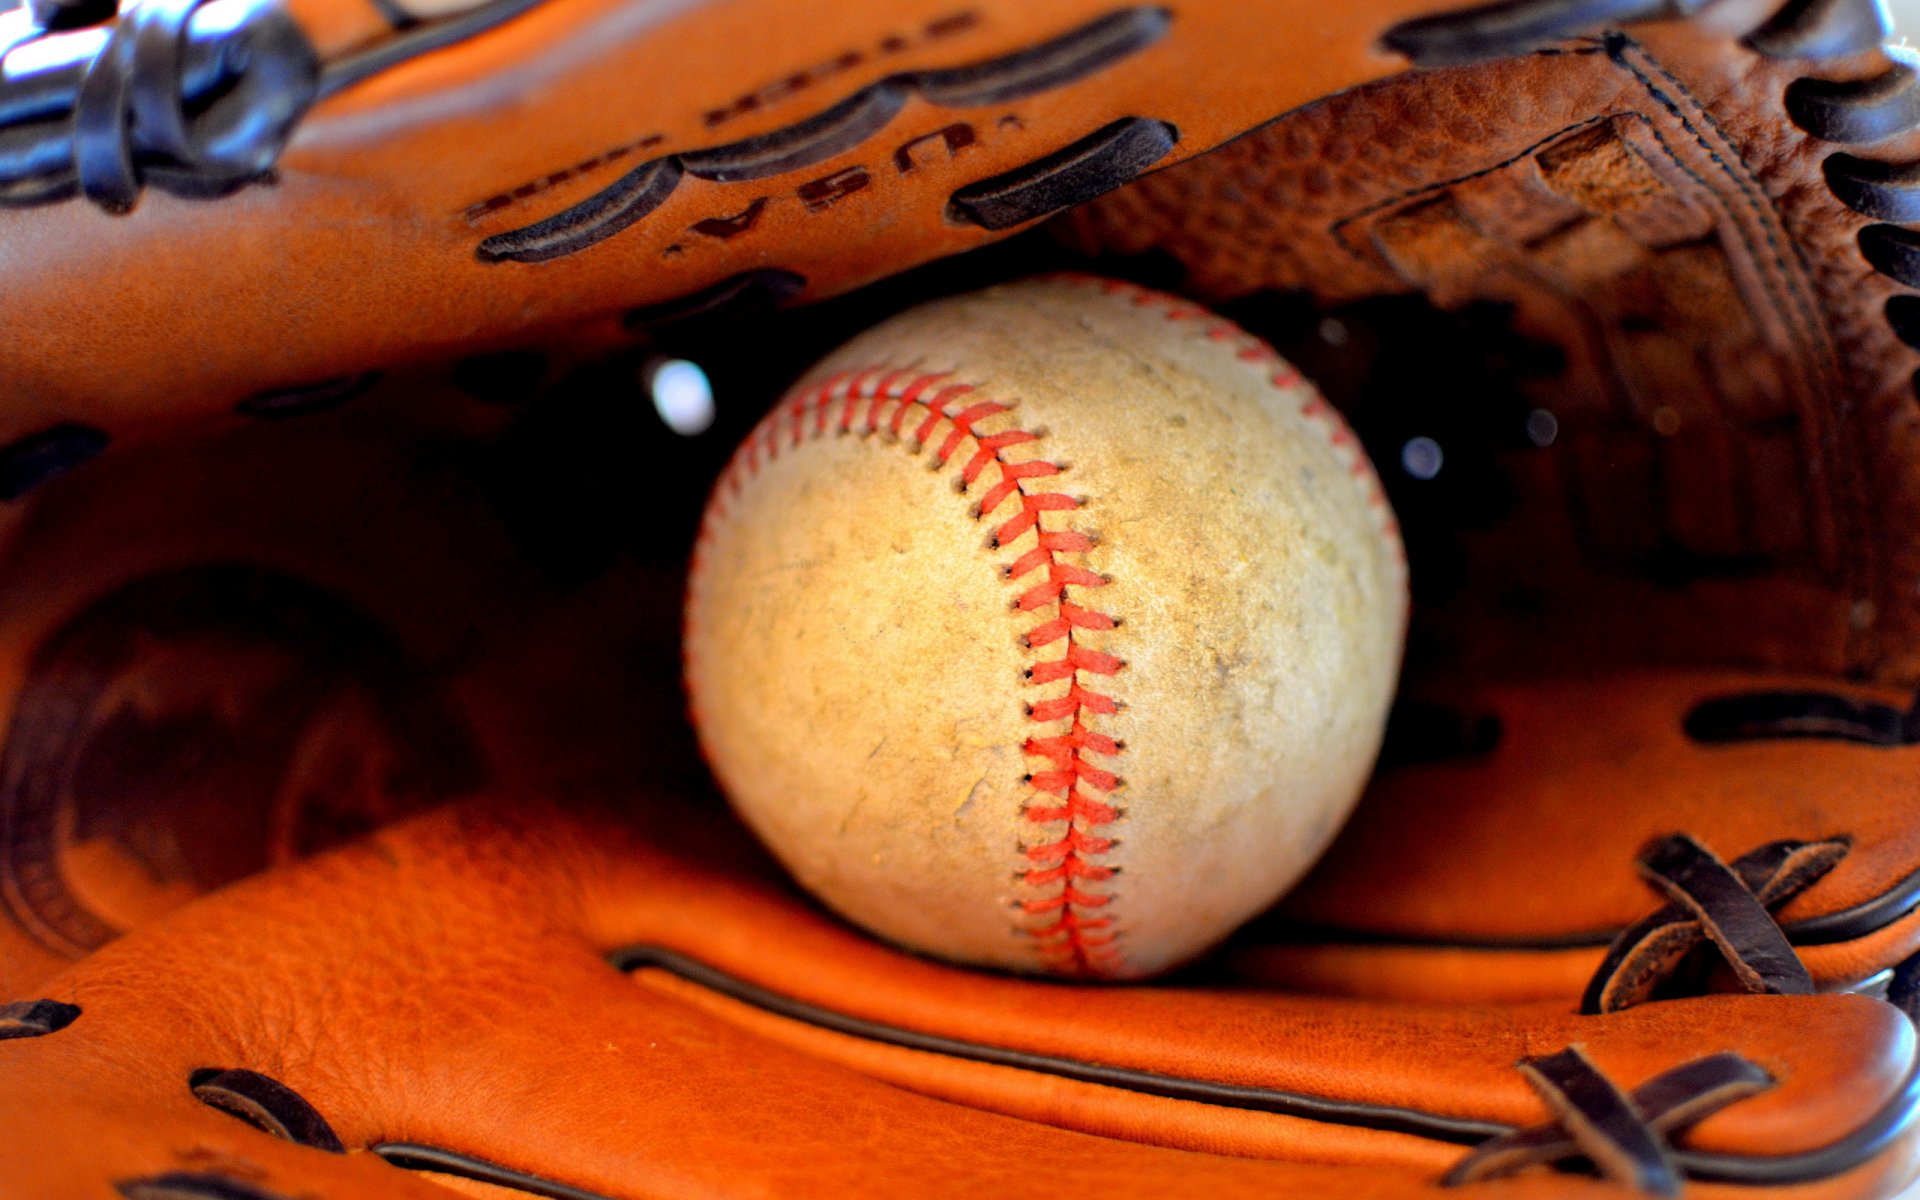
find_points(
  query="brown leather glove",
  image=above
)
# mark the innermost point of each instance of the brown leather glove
(450, 995)
(224, 654)
(457, 176)
(631, 1002)
(1663, 415)
(1624, 306)
(1451, 880)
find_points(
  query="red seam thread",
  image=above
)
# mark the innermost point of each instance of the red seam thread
(1067, 927)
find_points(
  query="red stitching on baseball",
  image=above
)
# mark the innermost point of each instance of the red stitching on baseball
(1071, 936)
(1078, 939)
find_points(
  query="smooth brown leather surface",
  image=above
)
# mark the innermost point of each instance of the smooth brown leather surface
(1731, 470)
(220, 655)
(444, 984)
(363, 253)
(1452, 878)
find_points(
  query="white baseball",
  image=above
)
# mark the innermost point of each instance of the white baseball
(1050, 628)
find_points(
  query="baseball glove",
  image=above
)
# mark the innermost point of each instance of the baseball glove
(617, 994)
(555, 1003)
(225, 654)
(1617, 295)
(1449, 882)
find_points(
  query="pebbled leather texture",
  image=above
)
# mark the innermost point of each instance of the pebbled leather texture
(515, 1042)
(1686, 300)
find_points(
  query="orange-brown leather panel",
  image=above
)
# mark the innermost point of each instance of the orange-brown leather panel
(1074, 1104)
(1734, 415)
(221, 655)
(1586, 772)
(441, 984)
(363, 251)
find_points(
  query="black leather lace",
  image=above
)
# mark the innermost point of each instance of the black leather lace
(1624, 1135)
(1728, 906)
(195, 97)
(1853, 113)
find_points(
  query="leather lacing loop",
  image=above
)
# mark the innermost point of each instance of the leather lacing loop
(1861, 113)
(1624, 1135)
(1842, 112)
(266, 1104)
(196, 97)
(35, 1018)
(1711, 901)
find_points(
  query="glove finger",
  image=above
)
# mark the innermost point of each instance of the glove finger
(1572, 779)
(551, 1068)
(447, 985)
(756, 188)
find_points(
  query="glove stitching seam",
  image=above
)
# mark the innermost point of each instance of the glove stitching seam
(1764, 214)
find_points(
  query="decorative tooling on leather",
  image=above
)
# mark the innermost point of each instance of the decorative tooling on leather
(1699, 436)
(194, 727)
(1067, 923)
(1086, 170)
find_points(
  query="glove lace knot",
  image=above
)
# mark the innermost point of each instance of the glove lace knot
(1623, 1134)
(1711, 901)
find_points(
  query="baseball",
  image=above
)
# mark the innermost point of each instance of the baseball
(1050, 628)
